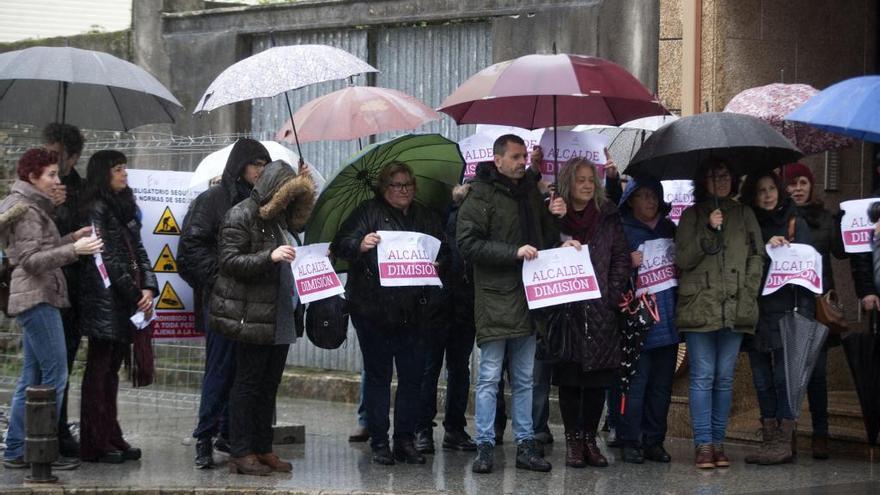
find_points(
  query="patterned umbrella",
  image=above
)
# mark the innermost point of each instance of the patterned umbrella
(773, 102)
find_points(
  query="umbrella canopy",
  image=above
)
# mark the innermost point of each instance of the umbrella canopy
(771, 103)
(850, 107)
(89, 89)
(279, 69)
(548, 90)
(676, 150)
(212, 165)
(802, 340)
(435, 160)
(862, 350)
(356, 112)
(623, 143)
(649, 123)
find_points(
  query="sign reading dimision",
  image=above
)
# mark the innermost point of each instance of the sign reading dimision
(558, 276)
(163, 198)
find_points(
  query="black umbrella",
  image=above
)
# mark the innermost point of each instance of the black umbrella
(862, 351)
(637, 315)
(748, 144)
(802, 340)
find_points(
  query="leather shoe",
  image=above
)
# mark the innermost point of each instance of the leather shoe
(632, 455)
(273, 461)
(424, 441)
(592, 454)
(359, 435)
(248, 465)
(405, 451)
(204, 454)
(112, 457)
(656, 453)
(382, 455)
(131, 454)
(222, 445)
(458, 440)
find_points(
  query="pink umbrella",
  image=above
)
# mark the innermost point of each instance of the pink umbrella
(355, 112)
(771, 103)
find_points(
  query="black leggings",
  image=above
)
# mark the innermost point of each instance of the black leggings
(581, 408)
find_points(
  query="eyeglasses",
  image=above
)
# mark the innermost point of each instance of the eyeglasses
(406, 186)
(720, 178)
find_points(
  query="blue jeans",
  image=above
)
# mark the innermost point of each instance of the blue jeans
(643, 422)
(216, 385)
(817, 393)
(44, 363)
(521, 361)
(712, 362)
(768, 374)
(543, 371)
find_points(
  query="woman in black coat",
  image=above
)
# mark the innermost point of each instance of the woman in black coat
(594, 221)
(109, 205)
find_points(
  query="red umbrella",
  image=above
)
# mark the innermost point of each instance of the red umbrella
(537, 91)
(771, 103)
(355, 112)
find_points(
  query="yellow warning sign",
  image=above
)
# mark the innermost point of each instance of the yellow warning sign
(166, 262)
(167, 224)
(169, 298)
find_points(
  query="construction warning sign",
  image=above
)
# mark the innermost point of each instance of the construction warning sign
(168, 299)
(165, 263)
(167, 224)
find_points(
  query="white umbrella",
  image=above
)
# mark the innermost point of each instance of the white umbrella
(212, 165)
(651, 123)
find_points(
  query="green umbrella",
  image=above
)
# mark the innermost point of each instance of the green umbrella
(435, 160)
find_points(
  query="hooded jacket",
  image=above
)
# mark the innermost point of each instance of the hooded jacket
(197, 250)
(35, 248)
(665, 331)
(252, 298)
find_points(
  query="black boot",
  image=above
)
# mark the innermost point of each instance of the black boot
(405, 451)
(458, 440)
(484, 461)
(204, 453)
(527, 457)
(425, 441)
(382, 454)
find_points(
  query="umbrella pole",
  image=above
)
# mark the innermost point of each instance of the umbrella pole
(555, 146)
(293, 124)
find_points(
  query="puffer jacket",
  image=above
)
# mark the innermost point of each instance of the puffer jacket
(489, 234)
(665, 331)
(35, 248)
(107, 309)
(825, 237)
(251, 300)
(389, 305)
(862, 264)
(720, 271)
(197, 250)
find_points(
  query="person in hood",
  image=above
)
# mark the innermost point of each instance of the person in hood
(253, 303)
(38, 289)
(198, 264)
(642, 427)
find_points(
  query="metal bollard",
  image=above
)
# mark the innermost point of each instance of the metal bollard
(41, 437)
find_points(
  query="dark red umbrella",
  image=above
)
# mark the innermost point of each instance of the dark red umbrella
(537, 91)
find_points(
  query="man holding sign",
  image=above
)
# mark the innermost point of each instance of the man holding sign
(503, 221)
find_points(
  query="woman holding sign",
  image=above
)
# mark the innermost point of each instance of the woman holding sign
(780, 225)
(719, 252)
(390, 321)
(592, 220)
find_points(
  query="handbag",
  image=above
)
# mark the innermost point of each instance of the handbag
(829, 312)
(327, 322)
(564, 323)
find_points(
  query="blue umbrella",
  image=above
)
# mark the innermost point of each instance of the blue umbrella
(850, 107)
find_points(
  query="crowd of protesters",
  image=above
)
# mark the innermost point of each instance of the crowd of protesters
(240, 234)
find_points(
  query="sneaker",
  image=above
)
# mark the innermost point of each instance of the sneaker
(204, 454)
(15, 463)
(222, 445)
(527, 457)
(484, 461)
(66, 464)
(704, 456)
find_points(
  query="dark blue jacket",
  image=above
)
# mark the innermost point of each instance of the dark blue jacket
(664, 332)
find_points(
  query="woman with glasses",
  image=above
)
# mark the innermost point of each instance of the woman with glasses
(390, 321)
(719, 251)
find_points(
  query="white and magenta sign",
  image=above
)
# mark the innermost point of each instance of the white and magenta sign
(407, 259)
(478, 147)
(657, 271)
(680, 194)
(559, 276)
(855, 227)
(796, 264)
(313, 273)
(588, 145)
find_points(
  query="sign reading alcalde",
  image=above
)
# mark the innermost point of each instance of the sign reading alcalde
(313, 273)
(559, 276)
(407, 259)
(797, 264)
(855, 226)
(657, 271)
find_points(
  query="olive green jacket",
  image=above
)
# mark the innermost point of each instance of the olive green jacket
(720, 271)
(488, 233)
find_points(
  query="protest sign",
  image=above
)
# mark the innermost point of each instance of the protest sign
(478, 147)
(407, 259)
(559, 276)
(680, 194)
(657, 271)
(588, 145)
(313, 273)
(855, 227)
(797, 264)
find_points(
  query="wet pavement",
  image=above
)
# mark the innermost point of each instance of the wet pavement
(160, 424)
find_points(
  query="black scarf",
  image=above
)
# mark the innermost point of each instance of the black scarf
(520, 193)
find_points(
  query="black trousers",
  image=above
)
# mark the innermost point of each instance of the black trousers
(72, 337)
(456, 343)
(581, 408)
(258, 370)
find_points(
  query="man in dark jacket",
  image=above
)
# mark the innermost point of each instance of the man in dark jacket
(68, 142)
(503, 221)
(197, 261)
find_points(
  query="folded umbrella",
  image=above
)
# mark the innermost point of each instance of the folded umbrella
(850, 107)
(802, 340)
(862, 350)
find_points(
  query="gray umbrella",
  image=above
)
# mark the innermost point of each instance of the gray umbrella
(802, 339)
(623, 142)
(676, 150)
(89, 89)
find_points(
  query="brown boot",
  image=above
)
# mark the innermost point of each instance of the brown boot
(820, 446)
(780, 451)
(704, 456)
(721, 460)
(274, 462)
(248, 465)
(592, 454)
(574, 449)
(768, 435)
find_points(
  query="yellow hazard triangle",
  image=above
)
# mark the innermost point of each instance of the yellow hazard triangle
(169, 298)
(166, 262)
(167, 224)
